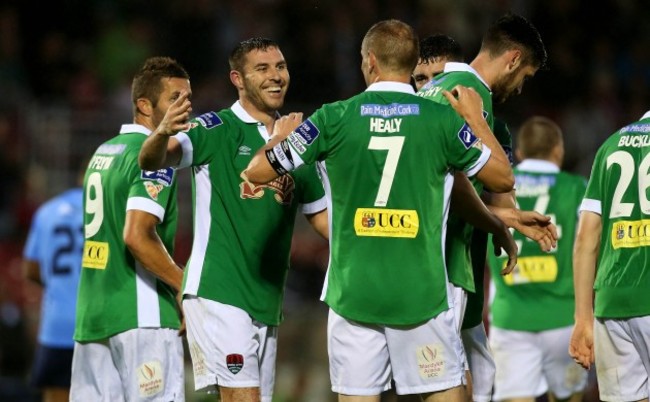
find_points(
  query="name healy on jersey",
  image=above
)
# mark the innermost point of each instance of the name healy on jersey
(283, 187)
(379, 222)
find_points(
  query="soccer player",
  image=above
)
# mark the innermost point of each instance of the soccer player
(127, 342)
(52, 259)
(466, 250)
(384, 157)
(435, 51)
(234, 280)
(613, 236)
(532, 309)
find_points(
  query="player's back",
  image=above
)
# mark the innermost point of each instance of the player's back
(541, 287)
(619, 186)
(116, 293)
(387, 156)
(56, 242)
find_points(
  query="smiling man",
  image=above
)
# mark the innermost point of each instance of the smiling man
(234, 280)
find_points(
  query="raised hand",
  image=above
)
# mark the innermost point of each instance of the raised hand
(177, 116)
(286, 124)
(537, 227)
(465, 101)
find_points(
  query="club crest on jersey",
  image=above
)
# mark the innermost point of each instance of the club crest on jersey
(466, 136)
(209, 120)
(283, 187)
(235, 362)
(620, 232)
(153, 189)
(163, 176)
(306, 132)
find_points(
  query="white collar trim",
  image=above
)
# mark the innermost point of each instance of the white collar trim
(391, 86)
(452, 66)
(134, 128)
(646, 115)
(242, 114)
(538, 165)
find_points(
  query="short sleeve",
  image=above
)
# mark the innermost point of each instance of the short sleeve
(151, 191)
(465, 151)
(199, 142)
(593, 198)
(30, 252)
(312, 195)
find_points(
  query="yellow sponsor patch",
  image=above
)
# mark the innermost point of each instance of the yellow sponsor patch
(532, 270)
(631, 234)
(380, 222)
(95, 254)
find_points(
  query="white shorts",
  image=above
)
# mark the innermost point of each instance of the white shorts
(143, 364)
(423, 358)
(480, 362)
(622, 349)
(228, 347)
(532, 363)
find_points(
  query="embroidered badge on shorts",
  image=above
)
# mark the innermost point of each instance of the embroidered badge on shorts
(150, 378)
(431, 363)
(235, 363)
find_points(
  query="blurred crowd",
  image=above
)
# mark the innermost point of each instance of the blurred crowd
(65, 70)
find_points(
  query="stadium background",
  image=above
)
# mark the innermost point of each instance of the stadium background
(66, 66)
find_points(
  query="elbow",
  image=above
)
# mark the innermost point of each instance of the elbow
(132, 240)
(502, 183)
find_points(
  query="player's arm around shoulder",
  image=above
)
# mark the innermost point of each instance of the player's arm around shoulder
(496, 174)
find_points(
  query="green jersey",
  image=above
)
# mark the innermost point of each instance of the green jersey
(459, 234)
(116, 293)
(242, 232)
(538, 295)
(617, 190)
(386, 160)
(466, 247)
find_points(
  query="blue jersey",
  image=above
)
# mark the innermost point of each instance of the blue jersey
(55, 241)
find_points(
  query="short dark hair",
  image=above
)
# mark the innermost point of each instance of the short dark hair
(537, 137)
(395, 44)
(440, 45)
(238, 54)
(147, 82)
(514, 31)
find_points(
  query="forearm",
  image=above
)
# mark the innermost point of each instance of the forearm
(585, 255)
(153, 154)
(466, 203)
(149, 250)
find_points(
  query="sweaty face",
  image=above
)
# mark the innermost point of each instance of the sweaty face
(172, 88)
(265, 79)
(427, 69)
(511, 83)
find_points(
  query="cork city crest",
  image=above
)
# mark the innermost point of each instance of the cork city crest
(283, 187)
(235, 362)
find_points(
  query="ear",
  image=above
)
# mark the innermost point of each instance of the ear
(144, 106)
(519, 155)
(237, 79)
(372, 63)
(513, 59)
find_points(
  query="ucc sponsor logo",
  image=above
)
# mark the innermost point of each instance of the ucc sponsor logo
(386, 222)
(631, 234)
(532, 270)
(95, 254)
